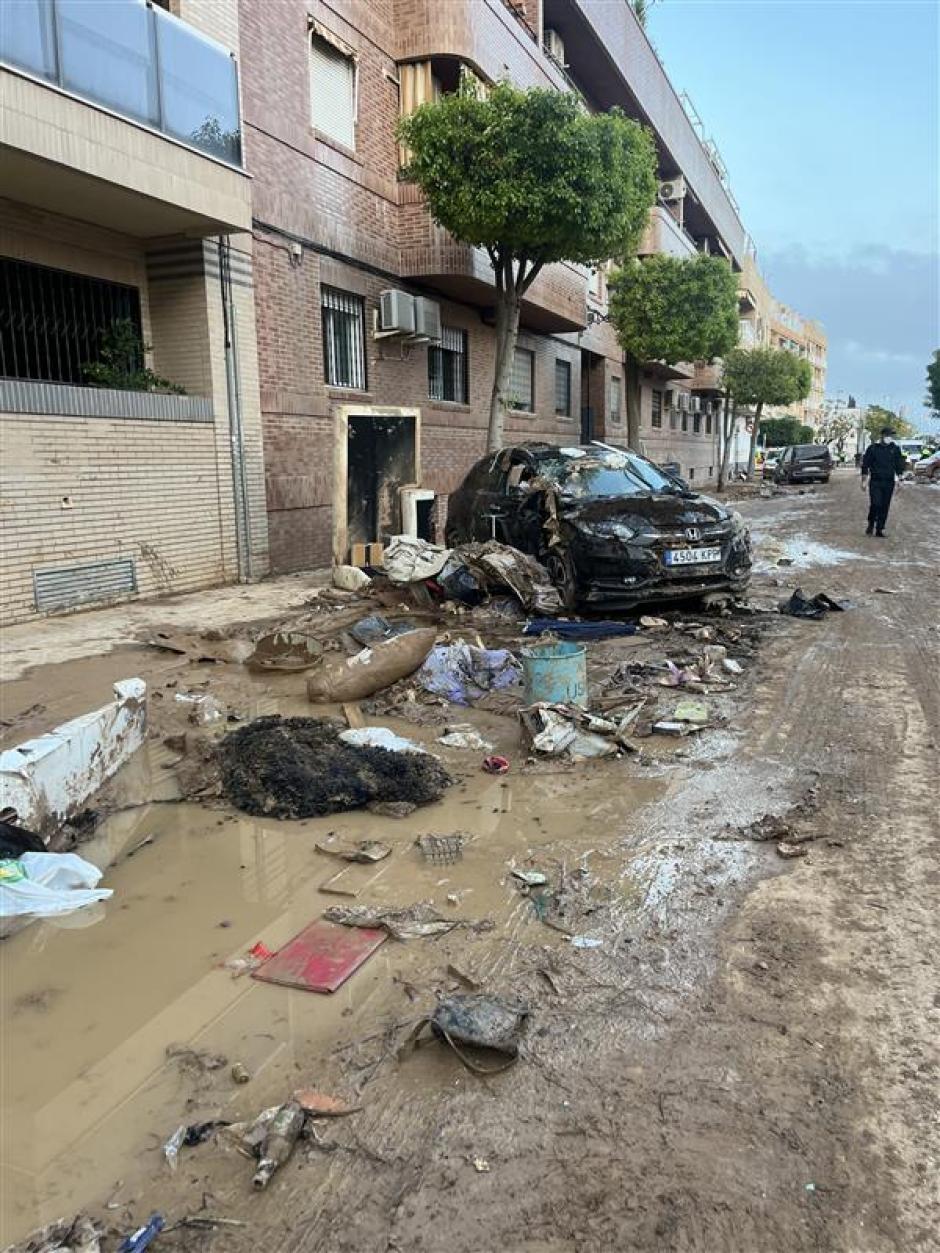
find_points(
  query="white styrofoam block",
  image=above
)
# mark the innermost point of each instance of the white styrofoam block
(51, 778)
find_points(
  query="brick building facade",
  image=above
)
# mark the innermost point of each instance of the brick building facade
(323, 85)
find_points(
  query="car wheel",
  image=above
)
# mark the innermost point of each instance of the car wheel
(561, 572)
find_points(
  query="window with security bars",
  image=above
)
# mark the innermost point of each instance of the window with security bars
(696, 424)
(562, 388)
(708, 422)
(448, 372)
(656, 417)
(522, 380)
(616, 390)
(52, 322)
(332, 91)
(344, 340)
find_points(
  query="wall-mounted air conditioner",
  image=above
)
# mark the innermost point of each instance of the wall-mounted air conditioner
(672, 190)
(554, 45)
(696, 404)
(397, 311)
(427, 317)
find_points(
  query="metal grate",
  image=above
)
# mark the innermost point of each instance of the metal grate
(92, 583)
(656, 417)
(344, 348)
(52, 321)
(448, 373)
(441, 850)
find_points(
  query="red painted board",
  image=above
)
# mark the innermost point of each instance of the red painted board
(321, 957)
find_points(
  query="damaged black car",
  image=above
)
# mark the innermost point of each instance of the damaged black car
(611, 528)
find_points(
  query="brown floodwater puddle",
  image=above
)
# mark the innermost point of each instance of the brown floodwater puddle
(90, 1003)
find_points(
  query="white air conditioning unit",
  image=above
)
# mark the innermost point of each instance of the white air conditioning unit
(696, 404)
(397, 311)
(554, 45)
(672, 190)
(427, 317)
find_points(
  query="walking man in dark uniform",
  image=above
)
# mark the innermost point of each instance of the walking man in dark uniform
(881, 465)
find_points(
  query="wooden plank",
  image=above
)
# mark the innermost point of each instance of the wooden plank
(353, 715)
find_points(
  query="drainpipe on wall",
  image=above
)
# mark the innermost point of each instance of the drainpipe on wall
(236, 431)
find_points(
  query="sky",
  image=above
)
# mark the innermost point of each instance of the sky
(827, 116)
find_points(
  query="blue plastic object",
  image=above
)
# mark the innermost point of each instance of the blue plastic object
(555, 674)
(600, 630)
(144, 1236)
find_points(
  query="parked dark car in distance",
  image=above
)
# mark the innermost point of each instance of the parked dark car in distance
(608, 525)
(804, 463)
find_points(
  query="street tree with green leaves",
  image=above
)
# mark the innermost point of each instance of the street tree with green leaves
(671, 309)
(782, 432)
(532, 179)
(932, 399)
(755, 377)
(877, 418)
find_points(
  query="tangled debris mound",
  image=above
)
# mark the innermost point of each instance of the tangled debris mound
(300, 768)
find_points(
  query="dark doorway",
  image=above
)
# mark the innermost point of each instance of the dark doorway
(380, 460)
(592, 393)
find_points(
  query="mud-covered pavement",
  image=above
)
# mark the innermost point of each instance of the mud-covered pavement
(748, 1060)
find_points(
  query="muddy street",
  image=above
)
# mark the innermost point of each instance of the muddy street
(731, 1041)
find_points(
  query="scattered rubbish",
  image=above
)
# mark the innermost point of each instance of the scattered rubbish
(462, 673)
(530, 878)
(15, 841)
(730, 666)
(285, 650)
(261, 951)
(478, 1021)
(321, 957)
(555, 732)
(391, 809)
(496, 764)
(42, 885)
(353, 715)
(350, 578)
(206, 1222)
(364, 851)
(240, 1073)
(798, 606)
(785, 849)
(653, 624)
(441, 850)
(171, 1150)
(885, 591)
(283, 1133)
(412, 923)
(199, 649)
(144, 1236)
(481, 1166)
(585, 941)
(555, 672)
(78, 1236)
(498, 565)
(205, 708)
(467, 980)
(408, 559)
(694, 711)
(375, 628)
(379, 737)
(320, 1105)
(592, 630)
(672, 727)
(463, 736)
(49, 779)
(302, 768)
(342, 679)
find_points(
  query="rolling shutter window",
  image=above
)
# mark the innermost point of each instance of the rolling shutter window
(332, 92)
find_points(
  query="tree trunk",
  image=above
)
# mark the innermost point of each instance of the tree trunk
(632, 387)
(507, 333)
(728, 420)
(754, 434)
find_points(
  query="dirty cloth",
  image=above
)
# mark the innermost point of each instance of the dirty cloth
(499, 565)
(605, 630)
(408, 559)
(375, 628)
(402, 924)
(463, 673)
(77, 1236)
(14, 841)
(379, 737)
(480, 1021)
(799, 606)
(42, 885)
(300, 768)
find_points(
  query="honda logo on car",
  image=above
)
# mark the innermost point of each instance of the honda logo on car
(693, 533)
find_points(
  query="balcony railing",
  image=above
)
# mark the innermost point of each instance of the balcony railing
(131, 58)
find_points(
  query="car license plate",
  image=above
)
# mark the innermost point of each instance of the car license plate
(691, 556)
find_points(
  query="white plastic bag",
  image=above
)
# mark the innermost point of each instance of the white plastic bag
(44, 884)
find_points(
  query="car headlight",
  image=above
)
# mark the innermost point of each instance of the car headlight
(610, 528)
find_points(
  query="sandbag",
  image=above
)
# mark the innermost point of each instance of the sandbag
(354, 678)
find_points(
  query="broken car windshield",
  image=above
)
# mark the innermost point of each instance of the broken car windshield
(617, 475)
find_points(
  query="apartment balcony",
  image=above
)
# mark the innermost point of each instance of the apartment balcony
(664, 234)
(119, 114)
(707, 377)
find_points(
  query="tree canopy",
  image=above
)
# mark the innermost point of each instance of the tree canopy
(675, 309)
(533, 179)
(877, 417)
(767, 376)
(932, 399)
(781, 432)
